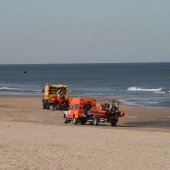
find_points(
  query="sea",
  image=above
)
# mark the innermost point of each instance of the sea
(138, 84)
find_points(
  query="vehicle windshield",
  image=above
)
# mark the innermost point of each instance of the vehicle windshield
(87, 106)
(76, 107)
(55, 90)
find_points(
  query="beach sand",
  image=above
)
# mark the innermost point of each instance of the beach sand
(35, 139)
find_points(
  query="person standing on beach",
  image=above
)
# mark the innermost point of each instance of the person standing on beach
(113, 107)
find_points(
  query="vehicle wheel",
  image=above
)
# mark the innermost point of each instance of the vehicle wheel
(57, 107)
(44, 106)
(83, 121)
(53, 108)
(65, 120)
(96, 122)
(47, 106)
(75, 120)
(114, 122)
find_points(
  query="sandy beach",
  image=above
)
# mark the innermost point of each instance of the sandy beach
(35, 139)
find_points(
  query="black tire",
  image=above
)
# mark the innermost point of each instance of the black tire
(96, 122)
(48, 106)
(114, 122)
(44, 106)
(75, 121)
(65, 120)
(83, 121)
(53, 107)
(57, 107)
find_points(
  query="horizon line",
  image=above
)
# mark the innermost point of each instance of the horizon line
(85, 63)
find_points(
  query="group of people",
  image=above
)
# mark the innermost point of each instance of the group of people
(106, 106)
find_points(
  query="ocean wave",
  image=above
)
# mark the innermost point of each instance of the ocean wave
(14, 89)
(8, 88)
(93, 93)
(143, 89)
(158, 90)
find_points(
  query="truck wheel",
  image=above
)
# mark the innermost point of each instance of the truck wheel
(65, 120)
(114, 122)
(57, 107)
(75, 121)
(47, 106)
(83, 121)
(44, 106)
(96, 122)
(53, 108)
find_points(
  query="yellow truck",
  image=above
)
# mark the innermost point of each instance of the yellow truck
(55, 96)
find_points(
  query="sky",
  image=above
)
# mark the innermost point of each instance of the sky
(84, 31)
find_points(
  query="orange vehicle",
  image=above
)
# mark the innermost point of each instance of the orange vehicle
(55, 96)
(105, 113)
(84, 110)
(78, 110)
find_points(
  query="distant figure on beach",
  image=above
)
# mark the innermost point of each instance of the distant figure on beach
(113, 107)
(106, 105)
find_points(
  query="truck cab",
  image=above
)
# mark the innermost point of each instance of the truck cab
(78, 110)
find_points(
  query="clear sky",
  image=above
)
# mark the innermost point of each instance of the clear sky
(84, 31)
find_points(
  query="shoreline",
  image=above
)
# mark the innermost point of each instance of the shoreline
(98, 98)
(29, 108)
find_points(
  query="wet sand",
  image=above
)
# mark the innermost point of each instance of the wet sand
(33, 138)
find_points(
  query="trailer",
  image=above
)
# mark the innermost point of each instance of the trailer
(103, 115)
(83, 110)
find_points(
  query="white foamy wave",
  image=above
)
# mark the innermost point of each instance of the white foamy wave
(37, 90)
(142, 89)
(161, 92)
(18, 89)
(94, 93)
(8, 88)
(152, 102)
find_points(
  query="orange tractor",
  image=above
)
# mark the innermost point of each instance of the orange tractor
(56, 96)
(82, 110)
